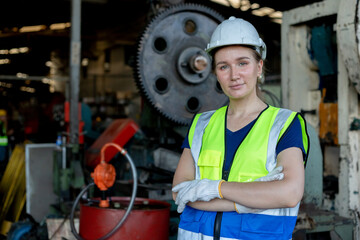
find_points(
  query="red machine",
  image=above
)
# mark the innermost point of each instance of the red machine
(119, 132)
(149, 219)
(145, 218)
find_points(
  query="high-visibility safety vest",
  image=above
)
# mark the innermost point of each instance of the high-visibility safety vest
(254, 158)
(3, 136)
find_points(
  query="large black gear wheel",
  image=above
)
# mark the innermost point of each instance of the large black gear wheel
(173, 72)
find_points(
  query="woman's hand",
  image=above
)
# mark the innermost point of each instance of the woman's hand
(196, 190)
(274, 175)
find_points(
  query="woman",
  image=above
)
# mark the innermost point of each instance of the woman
(241, 173)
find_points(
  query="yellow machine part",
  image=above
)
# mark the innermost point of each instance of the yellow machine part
(13, 189)
(328, 113)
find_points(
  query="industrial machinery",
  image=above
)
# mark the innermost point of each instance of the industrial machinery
(172, 70)
(320, 54)
(103, 218)
(174, 75)
(320, 77)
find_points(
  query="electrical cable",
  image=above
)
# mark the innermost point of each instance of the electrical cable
(276, 101)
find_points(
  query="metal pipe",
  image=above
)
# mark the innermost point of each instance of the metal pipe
(75, 55)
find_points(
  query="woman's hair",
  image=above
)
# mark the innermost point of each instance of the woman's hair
(257, 59)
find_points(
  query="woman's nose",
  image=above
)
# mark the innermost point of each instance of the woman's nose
(235, 74)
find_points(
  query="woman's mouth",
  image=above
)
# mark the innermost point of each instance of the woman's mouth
(237, 86)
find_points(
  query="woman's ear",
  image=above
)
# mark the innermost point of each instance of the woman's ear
(260, 66)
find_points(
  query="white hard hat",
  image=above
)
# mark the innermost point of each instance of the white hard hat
(236, 31)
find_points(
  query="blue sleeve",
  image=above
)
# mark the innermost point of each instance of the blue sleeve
(291, 138)
(186, 142)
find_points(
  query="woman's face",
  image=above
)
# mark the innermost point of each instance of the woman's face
(237, 71)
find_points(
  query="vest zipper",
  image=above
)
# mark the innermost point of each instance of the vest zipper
(217, 225)
(225, 176)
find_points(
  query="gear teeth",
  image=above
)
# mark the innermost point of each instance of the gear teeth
(137, 71)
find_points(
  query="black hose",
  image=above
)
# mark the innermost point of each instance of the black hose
(276, 101)
(132, 200)
(73, 209)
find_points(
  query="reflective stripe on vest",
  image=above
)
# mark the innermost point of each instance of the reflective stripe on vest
(188, 235)
(3, 141)
(278, 125)
(3, 138)
(202, 122)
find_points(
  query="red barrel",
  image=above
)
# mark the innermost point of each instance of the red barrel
(148, 219)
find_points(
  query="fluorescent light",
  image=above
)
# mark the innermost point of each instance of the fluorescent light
(23, 49)
(4, 84)
(277, 20)
(255, 5)
(4, 61)
(263, 11)
(47, 81)
(27, 89)
(276, 14)
(4, 51)
(85, 62)
(222, 2)
(21, 75)
(245, 5)
(59, 26)
(35, 28)
(14, 51)
(235, 3)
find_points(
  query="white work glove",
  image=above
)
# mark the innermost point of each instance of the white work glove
(274, 175)
(242, 209)
(196, 190)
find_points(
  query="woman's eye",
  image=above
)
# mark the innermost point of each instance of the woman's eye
(242, 63)
(223, 67)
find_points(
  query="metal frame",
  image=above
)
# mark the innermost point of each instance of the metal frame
(75, 59)
(299, 85)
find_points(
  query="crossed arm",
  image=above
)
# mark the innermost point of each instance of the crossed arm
(264, 195)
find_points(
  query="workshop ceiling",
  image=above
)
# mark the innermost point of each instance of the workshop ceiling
(119, 20)
(96, 14)
(103, 13)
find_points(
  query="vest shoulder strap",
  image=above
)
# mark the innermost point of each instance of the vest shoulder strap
(201, 124)
(279, 123)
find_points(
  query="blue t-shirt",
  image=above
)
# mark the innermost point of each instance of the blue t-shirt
(291, 138)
